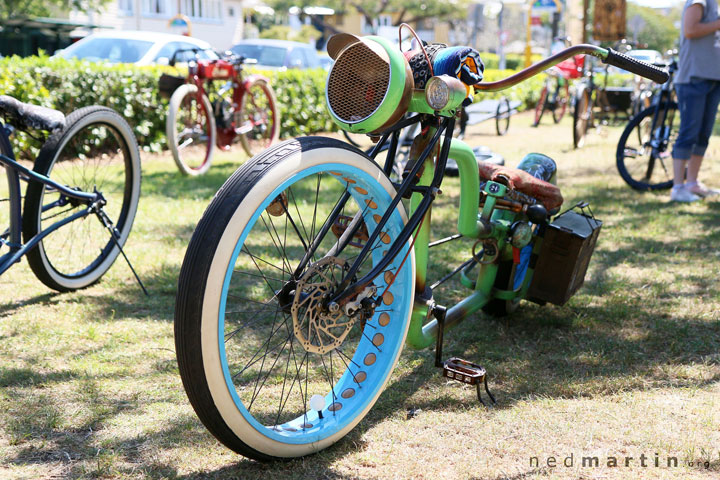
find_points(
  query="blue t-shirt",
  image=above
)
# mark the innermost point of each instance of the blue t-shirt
(700, 57)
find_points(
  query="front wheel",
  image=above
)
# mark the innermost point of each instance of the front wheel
(562, 96)
(190, 130)
(541, 105)
(270, 368)
(258, 120)
(643, 153)
(96, 151)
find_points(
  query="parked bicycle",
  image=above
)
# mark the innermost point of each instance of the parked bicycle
(555, 94)
(305, 276)
(643, 155)
(81, 197)
(201, 116)
(599, 104)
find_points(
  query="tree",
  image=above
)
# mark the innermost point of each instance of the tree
(44, 8)
(409, 12)
(306, 34)
(652, 27)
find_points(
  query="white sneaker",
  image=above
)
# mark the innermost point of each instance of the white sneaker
(681, 193)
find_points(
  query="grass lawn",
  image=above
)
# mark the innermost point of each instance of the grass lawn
(628, 369)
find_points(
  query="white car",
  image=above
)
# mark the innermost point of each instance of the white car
(648, 56)
(137, 47)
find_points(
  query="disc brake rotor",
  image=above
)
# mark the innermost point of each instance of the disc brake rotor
(317, 328)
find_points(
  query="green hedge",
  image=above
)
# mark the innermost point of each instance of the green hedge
(132, 91)
(69, 85)
(512, 61)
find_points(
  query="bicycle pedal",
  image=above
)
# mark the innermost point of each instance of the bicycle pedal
(469, 373)
(463, 371)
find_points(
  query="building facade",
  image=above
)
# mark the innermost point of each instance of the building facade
(218, 22)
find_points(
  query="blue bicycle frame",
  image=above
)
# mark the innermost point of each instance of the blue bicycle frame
(14, 170)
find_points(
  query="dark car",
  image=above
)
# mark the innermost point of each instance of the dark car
(278, 54)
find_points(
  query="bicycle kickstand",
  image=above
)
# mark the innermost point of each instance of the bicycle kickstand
(115, 234)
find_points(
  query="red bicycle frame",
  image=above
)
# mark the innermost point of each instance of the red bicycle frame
(206, 71)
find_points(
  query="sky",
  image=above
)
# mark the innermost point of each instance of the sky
(657, 3)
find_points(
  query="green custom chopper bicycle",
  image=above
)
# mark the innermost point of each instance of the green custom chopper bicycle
(308, 271)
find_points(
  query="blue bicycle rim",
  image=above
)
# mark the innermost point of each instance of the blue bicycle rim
(357, 388)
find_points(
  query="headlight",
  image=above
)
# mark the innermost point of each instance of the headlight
(437, 93)
(445, 93)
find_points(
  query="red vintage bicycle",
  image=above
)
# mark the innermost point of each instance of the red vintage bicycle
(555, 95)
(203, 115)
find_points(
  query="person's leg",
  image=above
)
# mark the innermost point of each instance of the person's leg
(693, 167)
(691, 103)
(698, 150)
(679, 169)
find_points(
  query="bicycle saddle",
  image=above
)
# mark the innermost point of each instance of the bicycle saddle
(31, 116)
(532, 177)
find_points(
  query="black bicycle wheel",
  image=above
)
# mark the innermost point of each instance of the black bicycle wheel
(643, 152)
(502, 116)
(268, 369)
(581, 117)
(96, 150)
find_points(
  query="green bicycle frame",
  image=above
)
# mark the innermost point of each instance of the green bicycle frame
(423, 331)
(491, 225)
(487, 224)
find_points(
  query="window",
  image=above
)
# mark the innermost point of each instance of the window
(201, 54)
(296, 59)
(311, 58)
(126, 6)
(384, 21)
(262, 54)
(187, 54)
(113, 50)
(167, 51)
(155, 7)
(372, 28)
(210, 9)
(367, 28)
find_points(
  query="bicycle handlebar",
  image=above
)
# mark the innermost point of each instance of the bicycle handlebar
(608, 56)
(635, 66)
